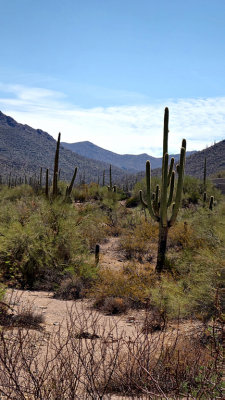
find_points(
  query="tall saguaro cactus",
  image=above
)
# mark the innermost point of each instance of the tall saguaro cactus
(56, 168)
(159, 202)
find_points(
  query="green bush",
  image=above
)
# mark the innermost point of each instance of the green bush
(38, 240)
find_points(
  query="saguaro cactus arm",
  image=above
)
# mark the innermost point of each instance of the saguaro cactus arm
(149, 194)
(170, 171)
(156, 202)
(179, 187)
(170, 199)
(145, 205)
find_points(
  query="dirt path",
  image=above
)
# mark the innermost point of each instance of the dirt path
(111, 256)
(56, 312)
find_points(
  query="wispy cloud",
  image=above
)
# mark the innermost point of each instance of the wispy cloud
(123, 129)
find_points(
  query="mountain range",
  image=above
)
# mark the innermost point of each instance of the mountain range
(128, 162)
(24, 150)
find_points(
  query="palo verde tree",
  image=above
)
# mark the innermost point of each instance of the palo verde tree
(159, 202)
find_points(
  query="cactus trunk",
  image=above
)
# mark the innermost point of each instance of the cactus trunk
(162, 245)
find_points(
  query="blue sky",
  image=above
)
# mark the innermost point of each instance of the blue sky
(103, 70)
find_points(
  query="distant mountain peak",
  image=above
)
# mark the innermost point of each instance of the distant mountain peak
(7, 120)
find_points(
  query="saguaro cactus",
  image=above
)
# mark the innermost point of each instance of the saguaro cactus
(110, 187)
(158, 204)
(211, 203)
(204, 182)
(56, 168)
(70, 187)
(46, 183)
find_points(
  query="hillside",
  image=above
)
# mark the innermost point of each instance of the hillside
(23, 150)
(215, 156)
(128, 162)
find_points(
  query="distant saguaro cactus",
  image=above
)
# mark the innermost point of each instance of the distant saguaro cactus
(46, 183)
(56, 168)
(158, 204)
(70, 187)
(204, 182)
(110, 187)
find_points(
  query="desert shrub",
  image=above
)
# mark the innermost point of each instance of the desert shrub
(140, 241)
(183, 235)
(38, 240)
(131, 285)
(77, 285)
(92, 225)
(132, 202)
(70, 289)
(26, 318)
(220, 174)
(115, 305)
(193, 190)
(16, 193)
(93, 191)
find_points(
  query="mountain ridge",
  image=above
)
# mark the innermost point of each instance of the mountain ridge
(24, 150)
(129, 162)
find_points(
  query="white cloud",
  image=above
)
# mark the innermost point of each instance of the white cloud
(123, 129)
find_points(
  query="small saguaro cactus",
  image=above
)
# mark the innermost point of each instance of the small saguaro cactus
(211, 203)
(159, 202)
(56, 168)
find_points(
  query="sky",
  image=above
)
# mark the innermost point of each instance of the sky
(104, 70)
